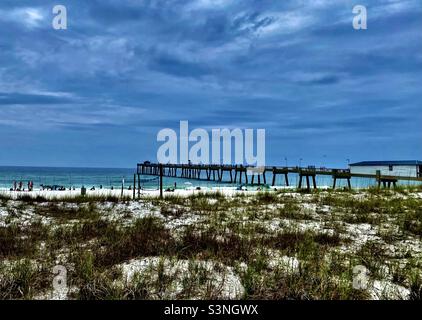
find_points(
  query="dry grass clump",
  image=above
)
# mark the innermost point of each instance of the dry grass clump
(21, 241)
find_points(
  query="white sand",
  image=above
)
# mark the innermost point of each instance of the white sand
(228, 191)
(48, 194)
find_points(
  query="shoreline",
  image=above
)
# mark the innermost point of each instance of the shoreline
(181, 192)
(55, 194)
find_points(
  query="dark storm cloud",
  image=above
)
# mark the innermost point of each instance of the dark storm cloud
(126, 69)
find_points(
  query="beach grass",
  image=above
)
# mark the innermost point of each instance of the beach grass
(278, 245)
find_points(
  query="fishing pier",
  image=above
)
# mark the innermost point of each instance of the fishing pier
(239, 174)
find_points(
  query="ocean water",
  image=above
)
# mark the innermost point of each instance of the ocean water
(90, 177)
(67, 177)
(114, 177)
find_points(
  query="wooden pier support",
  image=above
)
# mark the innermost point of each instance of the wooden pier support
(307, 174)
(387, 182)
(228, 169)
(341, 175)
(240, 170)
(213, 170)
(284, 172)
(139, 185)
(134, 186)
(257, 172)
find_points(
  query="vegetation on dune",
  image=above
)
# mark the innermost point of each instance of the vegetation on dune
(281, 245)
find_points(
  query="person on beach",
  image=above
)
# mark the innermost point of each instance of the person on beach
(14, 185)
(20, 186)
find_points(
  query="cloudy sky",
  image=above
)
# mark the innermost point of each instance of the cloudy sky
(97, 93)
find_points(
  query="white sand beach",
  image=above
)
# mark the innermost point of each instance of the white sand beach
(55, 194)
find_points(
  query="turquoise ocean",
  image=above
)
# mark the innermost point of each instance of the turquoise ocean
(107, 178)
